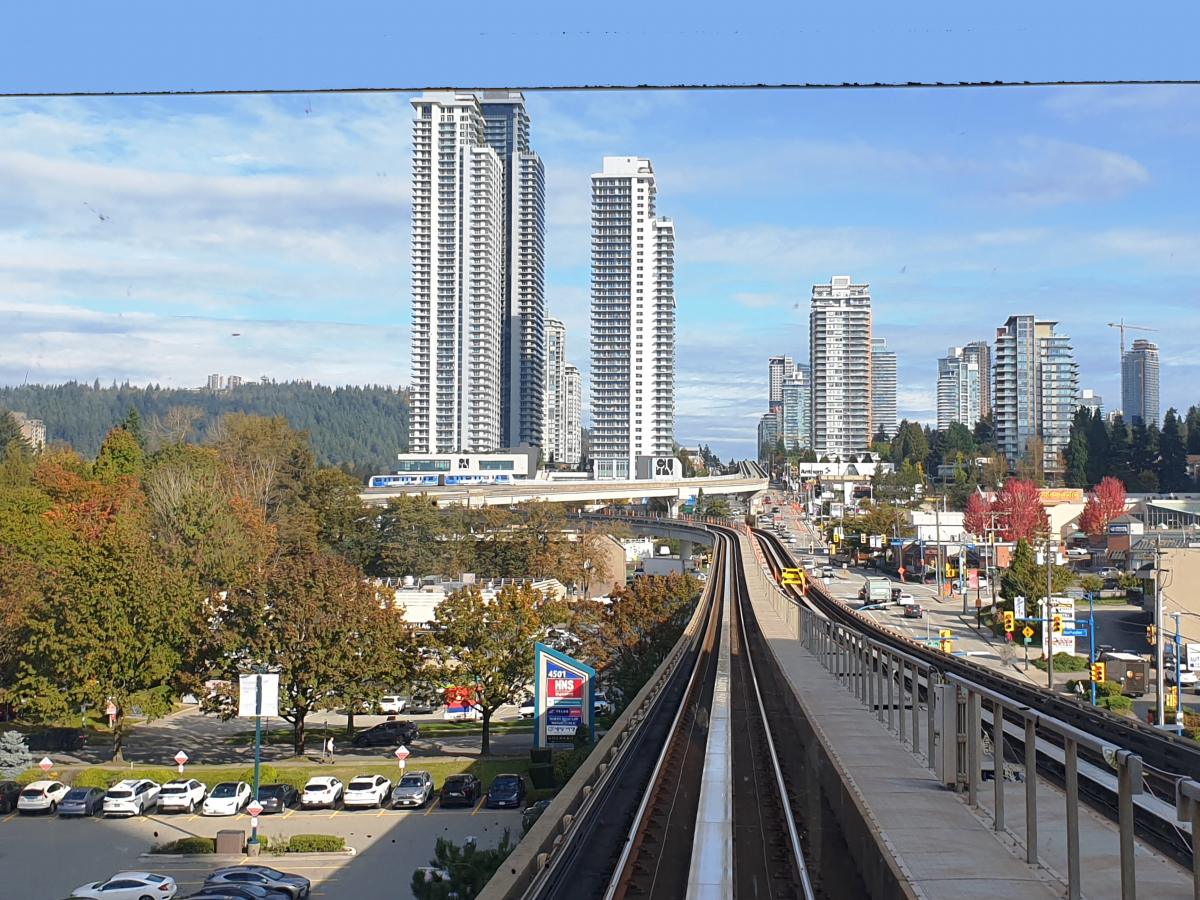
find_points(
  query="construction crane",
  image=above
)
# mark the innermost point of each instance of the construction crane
(1123, 326)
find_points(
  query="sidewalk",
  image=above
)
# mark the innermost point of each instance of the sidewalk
(945, 848)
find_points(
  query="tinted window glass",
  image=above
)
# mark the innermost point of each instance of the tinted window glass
(224, 790)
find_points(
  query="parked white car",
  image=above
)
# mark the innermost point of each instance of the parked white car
(129, 886)
(601, 705)
(367, 790)
(131, 797)
(392, 704)
(526, 710)
(42, 796)
(182, 796)
(227, 799)
(324, 790)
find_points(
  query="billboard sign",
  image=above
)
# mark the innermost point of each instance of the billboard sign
(1063, 643)
(248, 695)
(564, 696)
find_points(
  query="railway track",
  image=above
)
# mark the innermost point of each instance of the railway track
(642, 837)
(1166, 756)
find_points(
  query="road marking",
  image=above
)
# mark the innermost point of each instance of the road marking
(480, 805)
(435, 802)
(292, 811)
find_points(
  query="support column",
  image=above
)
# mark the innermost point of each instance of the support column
(673, 505)
(685, 554)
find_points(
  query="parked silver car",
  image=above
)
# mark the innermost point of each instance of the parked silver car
(413, 790)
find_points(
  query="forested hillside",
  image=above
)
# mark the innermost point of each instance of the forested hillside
(361, 428)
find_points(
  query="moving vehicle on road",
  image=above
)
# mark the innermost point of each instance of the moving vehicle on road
(387, 734)
(295, 886)
(461, 790)
(277, 798)
(413, 790)
(367, 790)
(42, 796)
(506, 791)
(182, 796)
(9, 792)
(239, 892)
(57, 740)
(129, 886)
(82, 802)
(131, 797)
(914, 611)
(227, 799)
(906, 599)
(322, 791)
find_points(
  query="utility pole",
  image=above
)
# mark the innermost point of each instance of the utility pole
(1159, 638)
(1049, 622)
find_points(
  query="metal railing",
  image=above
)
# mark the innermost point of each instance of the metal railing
(907, 693)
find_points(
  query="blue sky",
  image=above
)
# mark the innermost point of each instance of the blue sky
(285, 219)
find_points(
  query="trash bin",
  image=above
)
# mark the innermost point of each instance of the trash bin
(231, 842)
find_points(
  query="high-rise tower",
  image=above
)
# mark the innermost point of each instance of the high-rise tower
(633, 320)
(839, 337)
(478, 364)
(1139, 383)
(884, 416)
(958, 389)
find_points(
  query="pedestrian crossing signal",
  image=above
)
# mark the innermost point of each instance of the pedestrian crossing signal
(1098, 672)
(1010, 622)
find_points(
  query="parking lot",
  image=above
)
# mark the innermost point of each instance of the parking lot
(46, 857)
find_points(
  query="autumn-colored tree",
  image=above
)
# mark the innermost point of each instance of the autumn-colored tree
(1020, 513)
(489, 646)
(977, 519)
(317, 622)
(1103, 505)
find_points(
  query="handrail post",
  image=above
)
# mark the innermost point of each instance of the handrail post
(916, 704)
(1129, 782)
(879, 687)
(998, 762)
(1031, 831)
(1071, 755)
(974, 726)
(891, 678)
(930, 721)
(900, 713)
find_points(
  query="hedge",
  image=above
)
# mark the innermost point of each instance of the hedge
(1117, 704)
(187, 845)
(315, 843)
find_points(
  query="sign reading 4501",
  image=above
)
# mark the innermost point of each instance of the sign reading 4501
(564, 696)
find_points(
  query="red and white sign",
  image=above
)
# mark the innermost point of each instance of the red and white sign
(564, 687)
(255, 808)
(181, 757)
(402, 753)
(111, 709)
(46, 764)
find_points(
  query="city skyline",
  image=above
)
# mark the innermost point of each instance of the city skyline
(285, 221)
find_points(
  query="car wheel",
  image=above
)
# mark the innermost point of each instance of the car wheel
(191, 807)
(53, 807)
(147, 897)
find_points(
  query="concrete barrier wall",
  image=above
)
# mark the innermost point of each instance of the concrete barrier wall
(555, 824)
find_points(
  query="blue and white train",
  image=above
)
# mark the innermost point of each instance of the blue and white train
(388, 481)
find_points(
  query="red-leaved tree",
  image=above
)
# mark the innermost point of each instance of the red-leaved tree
(977, 518)
(1020, 511)
(1103, 505)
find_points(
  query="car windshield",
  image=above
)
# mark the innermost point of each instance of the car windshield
(269, 793)
(361, 785)
(316, 786)
(78, 794)
(120, 795)
(411, 781)
(225, 790)
(32, 792)
(504, 784)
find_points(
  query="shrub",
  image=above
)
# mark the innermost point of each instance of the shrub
(315, 843)
(267, 774)
(1065, 662)
(1109, 689)
(31, 775)
(297, 778)
(94, 778)
(187, 845)
(1117, 704)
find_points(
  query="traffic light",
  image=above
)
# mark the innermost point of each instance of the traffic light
(1057, 624)
(1010, 622)
(1151, 635)
(1098, 672)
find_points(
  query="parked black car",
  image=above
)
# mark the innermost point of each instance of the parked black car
(387, 734)
(459, 790)
(533, 813)
(506, 790)
(277, 798)
(9, 792)
(61, 740)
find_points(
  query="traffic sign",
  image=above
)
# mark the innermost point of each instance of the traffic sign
(255, 808)
(402, 755)
(1028, 632)
(1074, 632)
(46, 764)
(181, 757)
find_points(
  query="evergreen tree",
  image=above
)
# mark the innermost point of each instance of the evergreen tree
(1193, 429)
(985, 431)
(1172, 465)
(1076, 457)
(15, 757)
(133, 424)
(1143, 455)
(1119, 454)
(10, 431)
(959, 440)
(1099, 461)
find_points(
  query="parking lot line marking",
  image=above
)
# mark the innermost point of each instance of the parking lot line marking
(484, 797)
(292, 811)
(437, 800)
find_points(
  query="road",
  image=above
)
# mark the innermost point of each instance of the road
(45, 858)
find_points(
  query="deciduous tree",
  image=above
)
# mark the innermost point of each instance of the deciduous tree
(1021, 514)
(1103, 505)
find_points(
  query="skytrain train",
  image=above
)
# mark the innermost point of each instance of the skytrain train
(386, 481)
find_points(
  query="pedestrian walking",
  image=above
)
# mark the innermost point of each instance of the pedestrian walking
(329, 748)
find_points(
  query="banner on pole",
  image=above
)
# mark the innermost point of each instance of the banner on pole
(248, 685)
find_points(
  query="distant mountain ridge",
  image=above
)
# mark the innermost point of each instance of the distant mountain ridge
(359, 428)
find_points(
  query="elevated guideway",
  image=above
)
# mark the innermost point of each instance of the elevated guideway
(748, 481)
